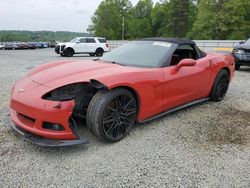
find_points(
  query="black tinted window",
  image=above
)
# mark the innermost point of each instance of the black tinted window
(102, 40)
(90, 40)
(82, 40)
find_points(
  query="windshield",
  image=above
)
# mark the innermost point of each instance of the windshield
(248, 42)
(74, 40)
(139, 53)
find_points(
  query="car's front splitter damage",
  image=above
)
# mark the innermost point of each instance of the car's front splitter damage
(48, 142)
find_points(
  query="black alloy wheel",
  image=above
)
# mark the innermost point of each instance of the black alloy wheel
(221, 85)
(111, 114)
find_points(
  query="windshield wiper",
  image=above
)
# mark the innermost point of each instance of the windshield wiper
(118, 63)
(113, 62)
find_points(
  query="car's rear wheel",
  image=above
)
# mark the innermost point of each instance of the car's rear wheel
(92, 54)
(220, 86)
(69, 52)
(99, 52)
(111, 114)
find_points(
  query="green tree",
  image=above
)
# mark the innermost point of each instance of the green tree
(222, 19)
(107, 19)
(173, 18)
(141, 23)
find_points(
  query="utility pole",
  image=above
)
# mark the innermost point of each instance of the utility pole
(123, 24)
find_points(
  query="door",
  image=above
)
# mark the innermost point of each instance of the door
(91, 44)
(187, 84)
(80, 46)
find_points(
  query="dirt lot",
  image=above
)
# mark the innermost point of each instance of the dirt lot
(207, 145)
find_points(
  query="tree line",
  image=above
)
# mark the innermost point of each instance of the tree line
(38, 36)
(195, 19)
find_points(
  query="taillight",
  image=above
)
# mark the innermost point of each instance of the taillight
(107, 45)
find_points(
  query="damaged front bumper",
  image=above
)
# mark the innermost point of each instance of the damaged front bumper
(42, 141)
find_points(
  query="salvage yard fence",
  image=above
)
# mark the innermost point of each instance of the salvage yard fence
(206, 45)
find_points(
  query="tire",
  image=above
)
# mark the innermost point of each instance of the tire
(220, 86)
(69, 52)
(99, 52)
(237, 67)
(63, 55)
(92, 54)
(111, 114)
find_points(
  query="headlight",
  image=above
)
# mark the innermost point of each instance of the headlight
(62, 47)
(237, 51)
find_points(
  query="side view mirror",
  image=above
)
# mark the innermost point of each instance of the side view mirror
(242, 42)
(185, 63)
(77, 42)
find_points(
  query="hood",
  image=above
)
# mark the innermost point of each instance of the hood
(243, 46)
(65, 43)
(66, 72)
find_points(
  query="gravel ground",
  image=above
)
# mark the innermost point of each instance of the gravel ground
(207, 145)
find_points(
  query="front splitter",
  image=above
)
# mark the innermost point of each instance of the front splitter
(45, 141)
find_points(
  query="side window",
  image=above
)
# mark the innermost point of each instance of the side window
(90, 40)
(183, 52)
(82, 40)
(102, 40)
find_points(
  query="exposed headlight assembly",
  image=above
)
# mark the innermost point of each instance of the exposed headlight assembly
(65, 93)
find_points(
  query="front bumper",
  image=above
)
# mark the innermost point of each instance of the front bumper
(30, 113)
(45, 141)
(242, 59)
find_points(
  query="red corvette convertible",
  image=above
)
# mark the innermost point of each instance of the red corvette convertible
(137, 82)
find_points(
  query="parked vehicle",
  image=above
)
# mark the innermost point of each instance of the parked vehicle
(22, 45)
(241, 54)
(83, 45)
(137, 82)
(2, 46)
(32, 45)
(10, 46)
(52, 44)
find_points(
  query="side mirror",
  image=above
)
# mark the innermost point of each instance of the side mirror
(242, 42)
(77, 42)
(185, 63)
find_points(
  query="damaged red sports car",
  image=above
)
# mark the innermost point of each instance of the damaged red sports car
(137, 82)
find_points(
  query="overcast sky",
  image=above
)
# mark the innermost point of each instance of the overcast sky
(54, 15)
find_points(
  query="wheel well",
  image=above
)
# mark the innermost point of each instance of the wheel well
(70, 49)
(227, 69)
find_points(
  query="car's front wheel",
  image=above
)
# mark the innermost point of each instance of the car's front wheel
(220, 86)
(69, 52)
(111, 114)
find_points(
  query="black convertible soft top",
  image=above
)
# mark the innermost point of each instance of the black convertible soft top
(172, 40)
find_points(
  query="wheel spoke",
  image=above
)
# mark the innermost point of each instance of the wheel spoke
(108, 119)
(115, 130)
(117, 103)
(128, 103)
(129, 112)
(111, 110)
(112, 126)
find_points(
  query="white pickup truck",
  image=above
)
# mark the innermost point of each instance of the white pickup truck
(83, 45)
